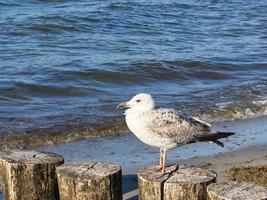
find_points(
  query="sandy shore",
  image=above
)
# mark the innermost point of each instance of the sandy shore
(221, 163)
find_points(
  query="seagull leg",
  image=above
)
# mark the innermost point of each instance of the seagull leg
(159, 167)
(163, 161)
(160, 158)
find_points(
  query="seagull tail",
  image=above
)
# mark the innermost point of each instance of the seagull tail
(220, 134)
(213, 138)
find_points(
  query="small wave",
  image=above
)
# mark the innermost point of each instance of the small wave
(60, 134)
(235, 111)
(16, 33)
(210, 75)
(123, 4)
(49, 90)
(57, 1)
(119, 6)
(203, 65)
(107, 76)
(9, 3)
(178, 71)
(51, 28)
(260, 103)
(156, 71)
(11, 94)
(58, 18)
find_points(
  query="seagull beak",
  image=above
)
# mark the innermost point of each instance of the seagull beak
(123, 105)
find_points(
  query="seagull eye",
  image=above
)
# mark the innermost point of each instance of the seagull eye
(138, 100)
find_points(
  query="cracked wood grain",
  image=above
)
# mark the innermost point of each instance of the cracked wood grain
(90, 181)
(232, 190)
(29, 175)
(181, 183)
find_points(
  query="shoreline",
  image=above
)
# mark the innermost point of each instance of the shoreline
(63, 134)
(71, 132)
(129, 152)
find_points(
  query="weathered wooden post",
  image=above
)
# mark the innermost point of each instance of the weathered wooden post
(182, 183)
(90, 181)
(232, 190)
(29, 175)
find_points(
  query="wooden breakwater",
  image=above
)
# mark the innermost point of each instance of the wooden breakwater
(31, 175)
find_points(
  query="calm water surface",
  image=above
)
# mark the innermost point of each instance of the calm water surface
(66, 62)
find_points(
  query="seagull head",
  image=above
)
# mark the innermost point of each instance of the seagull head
(140, 102)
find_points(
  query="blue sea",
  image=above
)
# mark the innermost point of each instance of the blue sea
(66, 63)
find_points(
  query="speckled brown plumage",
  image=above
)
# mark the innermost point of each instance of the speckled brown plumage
(172, 124)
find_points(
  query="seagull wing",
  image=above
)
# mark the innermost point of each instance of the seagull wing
(169, 123)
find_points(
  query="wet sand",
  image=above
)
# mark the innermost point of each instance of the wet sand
(248, 147)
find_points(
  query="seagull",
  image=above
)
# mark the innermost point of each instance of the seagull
(166, 128)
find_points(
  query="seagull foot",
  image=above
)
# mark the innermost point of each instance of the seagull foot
(160, 175)
(158, 168)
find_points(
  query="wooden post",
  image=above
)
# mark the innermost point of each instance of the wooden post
(231, 190)
(29, 175)
(181, 183)
(90, 181)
